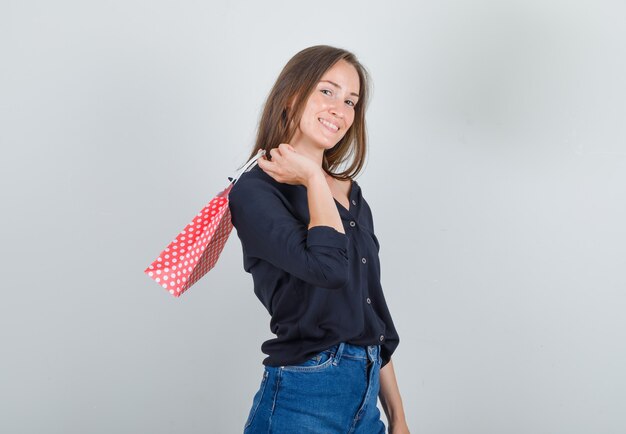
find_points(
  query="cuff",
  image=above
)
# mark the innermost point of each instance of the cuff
(326, 236)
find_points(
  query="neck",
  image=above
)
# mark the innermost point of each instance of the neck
(311, 152)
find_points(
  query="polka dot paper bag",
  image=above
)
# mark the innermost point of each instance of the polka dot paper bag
(195, 250)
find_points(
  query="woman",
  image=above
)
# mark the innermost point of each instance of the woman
(308, 240)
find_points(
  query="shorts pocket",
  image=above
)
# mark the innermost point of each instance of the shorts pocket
(320, 361)
(257, 399)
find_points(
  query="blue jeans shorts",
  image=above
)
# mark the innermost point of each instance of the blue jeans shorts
(335, 391)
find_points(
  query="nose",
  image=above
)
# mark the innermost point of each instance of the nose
(336, 111)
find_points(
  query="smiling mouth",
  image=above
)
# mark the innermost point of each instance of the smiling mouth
(329, 125)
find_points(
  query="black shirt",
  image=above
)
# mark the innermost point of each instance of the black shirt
(320, 286)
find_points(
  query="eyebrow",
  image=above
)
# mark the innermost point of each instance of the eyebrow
(336, 85)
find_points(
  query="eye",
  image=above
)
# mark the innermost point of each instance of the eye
(351, 103)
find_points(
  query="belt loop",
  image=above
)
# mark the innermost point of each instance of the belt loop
(338, 354)
(373, 352)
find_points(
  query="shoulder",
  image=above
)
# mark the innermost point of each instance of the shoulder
(253, 181)
(256, 186)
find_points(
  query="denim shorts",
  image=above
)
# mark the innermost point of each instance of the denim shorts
(335, 391)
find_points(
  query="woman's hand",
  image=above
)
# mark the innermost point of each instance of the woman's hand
(289, 167)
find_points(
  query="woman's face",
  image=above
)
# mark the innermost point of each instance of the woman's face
(329, 111)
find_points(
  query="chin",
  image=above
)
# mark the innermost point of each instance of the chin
(326, 144)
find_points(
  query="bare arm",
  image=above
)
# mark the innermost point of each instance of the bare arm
(292, 168)
(322, 208)
(391, 401)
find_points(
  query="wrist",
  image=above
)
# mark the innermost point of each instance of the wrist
(398, 421)
(313, 177)
(398, 426)
(396, 417)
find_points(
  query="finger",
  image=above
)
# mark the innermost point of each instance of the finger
(267, 165)
(287, 146)
(275, 153)
(263, 162)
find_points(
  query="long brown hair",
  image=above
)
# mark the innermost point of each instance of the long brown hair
(279, 120)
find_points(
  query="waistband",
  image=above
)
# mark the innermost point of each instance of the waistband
(344, 349)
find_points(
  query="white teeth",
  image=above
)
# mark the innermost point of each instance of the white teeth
(328, 124)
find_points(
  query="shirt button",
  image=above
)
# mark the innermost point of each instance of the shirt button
(352, 223)
(363, 260)
(369, 301)
(353, 202)
(382, 337)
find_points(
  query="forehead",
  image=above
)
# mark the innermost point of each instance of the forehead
(344, 74)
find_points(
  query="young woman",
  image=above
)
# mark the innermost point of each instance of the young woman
(308, 240)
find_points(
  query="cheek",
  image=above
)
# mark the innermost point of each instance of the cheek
(310, 113)
(308, 123)
(351, 119)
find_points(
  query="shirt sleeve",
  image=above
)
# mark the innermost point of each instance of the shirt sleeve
(269, 231)
(388, 348)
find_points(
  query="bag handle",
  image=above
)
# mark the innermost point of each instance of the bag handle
(251, 162)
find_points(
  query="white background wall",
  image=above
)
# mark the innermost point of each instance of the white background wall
(496, 177)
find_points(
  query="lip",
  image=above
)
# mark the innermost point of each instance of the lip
(327, 127)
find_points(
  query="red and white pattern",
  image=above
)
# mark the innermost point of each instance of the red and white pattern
(196, 249)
